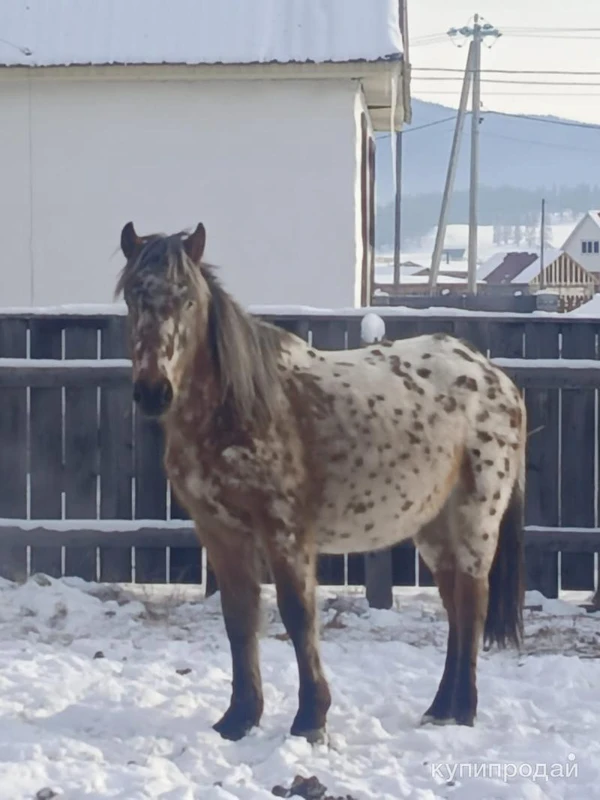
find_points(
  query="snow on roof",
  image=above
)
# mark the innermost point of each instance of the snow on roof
(589, 309)
(510, 268)
(413, 279)
(530, 272)
(490, 264)
(51, 33)
(593, 214)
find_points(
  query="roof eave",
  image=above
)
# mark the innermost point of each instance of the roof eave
(376, 75)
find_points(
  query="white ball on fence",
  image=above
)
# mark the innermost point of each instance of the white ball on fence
(372, 328)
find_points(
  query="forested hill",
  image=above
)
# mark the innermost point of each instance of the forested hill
(519, 152)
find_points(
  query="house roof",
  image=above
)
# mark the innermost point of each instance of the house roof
(593, 214)
(589, 309)
(101, 32)
(535, 267)
(503, 268)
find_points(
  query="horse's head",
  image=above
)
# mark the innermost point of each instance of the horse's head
(167, 301)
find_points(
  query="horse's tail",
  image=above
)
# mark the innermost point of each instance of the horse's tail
(504, 621)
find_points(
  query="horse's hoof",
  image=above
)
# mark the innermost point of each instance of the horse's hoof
(312, 735)
(466, 719)
(429, 719)
(233, 727)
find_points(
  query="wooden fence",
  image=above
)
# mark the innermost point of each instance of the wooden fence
(83, 492)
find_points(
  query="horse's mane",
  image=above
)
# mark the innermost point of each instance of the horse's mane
(244, 350)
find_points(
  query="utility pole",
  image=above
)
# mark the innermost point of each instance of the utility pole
(398, 212)
(477, 33)
(474, 177)
(442, 222)
(542, 237)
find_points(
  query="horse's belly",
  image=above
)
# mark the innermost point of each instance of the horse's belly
(361, 516)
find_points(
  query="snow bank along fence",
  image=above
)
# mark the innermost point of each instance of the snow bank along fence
(83, 493)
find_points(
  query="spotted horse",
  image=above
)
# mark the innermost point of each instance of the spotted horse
(280, 451)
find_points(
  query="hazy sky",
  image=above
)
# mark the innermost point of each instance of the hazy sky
(540, 50)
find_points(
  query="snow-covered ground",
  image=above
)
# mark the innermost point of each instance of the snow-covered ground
(110, 692)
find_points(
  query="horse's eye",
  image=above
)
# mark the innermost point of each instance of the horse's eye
(188, 304)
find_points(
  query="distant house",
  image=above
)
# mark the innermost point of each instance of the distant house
(453, 254)
(583, 243)
(561, 275)
(255, 118)
(504, 268)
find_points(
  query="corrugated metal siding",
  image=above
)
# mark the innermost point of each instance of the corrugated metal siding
(69, 32)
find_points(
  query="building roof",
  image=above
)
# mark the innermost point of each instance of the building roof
(503, 268)
(534, 269)
(593, 214)
(589, 309)
(100, 32)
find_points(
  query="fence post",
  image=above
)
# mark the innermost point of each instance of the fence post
(378, 565)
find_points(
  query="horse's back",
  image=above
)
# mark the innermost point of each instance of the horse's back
(401, 417)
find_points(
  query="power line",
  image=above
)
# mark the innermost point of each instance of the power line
(550, 30)
(484, 133)
(544, 120)
(564, 123)
(452, 93)
(562, 37)
(539, 143)
(564, 34)
(422, 127)
(509, 71)
(445, 78)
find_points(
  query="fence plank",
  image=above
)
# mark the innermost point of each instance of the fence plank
(578, 446)
(150, 495)
(506, 339)
(81, 450)
(13, 449)
(378, 579)
(46, 428)
(542, 459)
(116, 453)
(298, 326)
(474, 330)
(329, 335)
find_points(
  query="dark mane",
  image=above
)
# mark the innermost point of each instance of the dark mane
(244, 350)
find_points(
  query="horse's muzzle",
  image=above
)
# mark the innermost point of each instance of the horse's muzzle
(153, 399)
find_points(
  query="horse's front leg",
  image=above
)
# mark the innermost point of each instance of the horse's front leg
(293, 563)
(234, 561)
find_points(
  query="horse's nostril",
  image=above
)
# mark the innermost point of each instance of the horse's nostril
(167, 393)
(137, 392)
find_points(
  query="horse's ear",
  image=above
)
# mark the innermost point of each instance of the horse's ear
(195, 243)
(131, 243)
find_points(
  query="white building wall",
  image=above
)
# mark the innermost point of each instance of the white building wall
(268, 166)
(588, 231)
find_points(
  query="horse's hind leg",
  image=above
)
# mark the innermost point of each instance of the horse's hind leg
(235, 563)
(294, 571)
(459, 547)
(465, 598)
(435, 550)
(471, 602)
